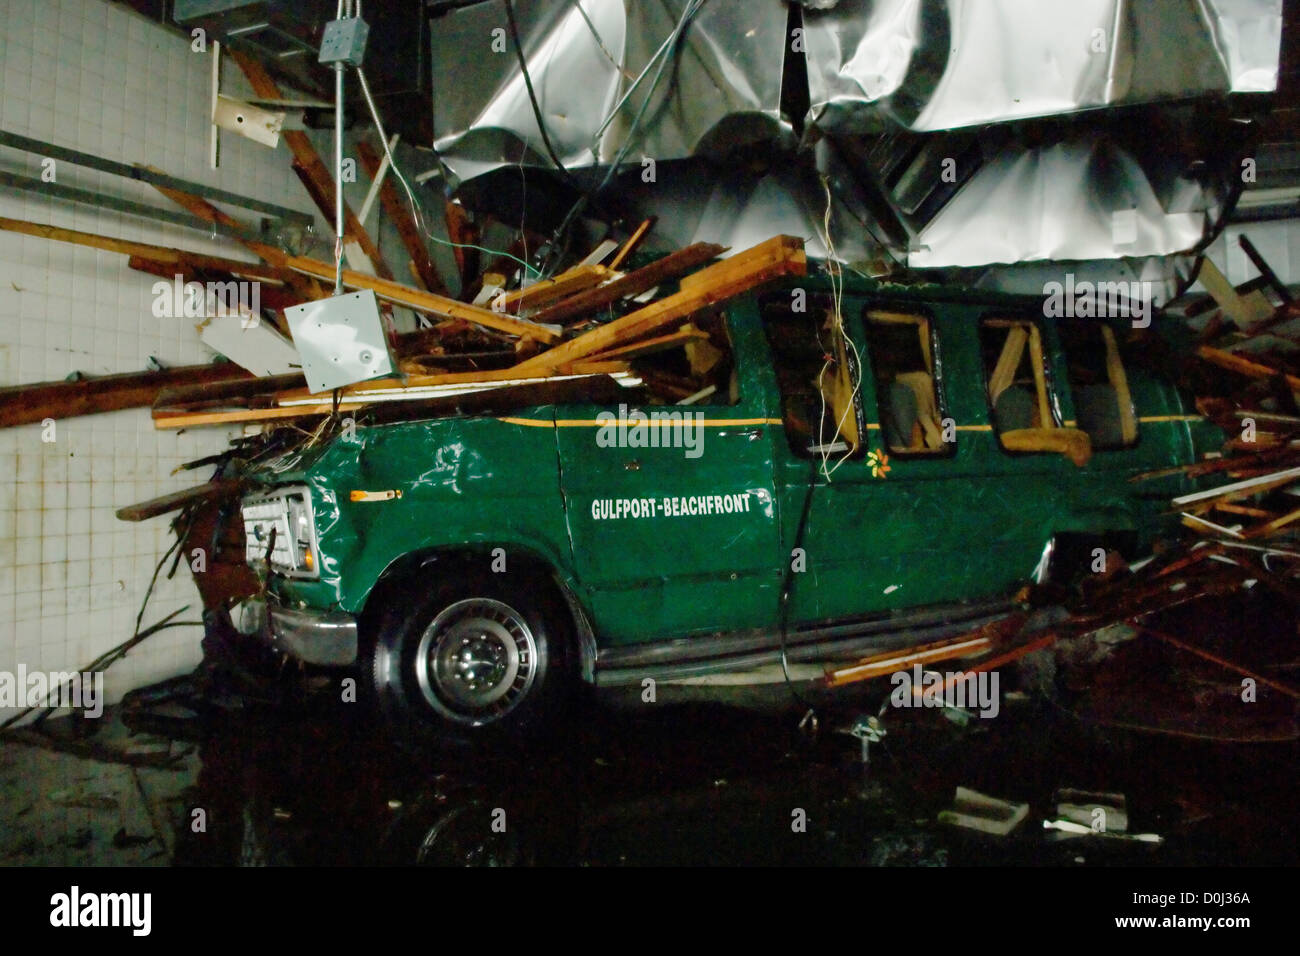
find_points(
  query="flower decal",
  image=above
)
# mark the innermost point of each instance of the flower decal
(878, 462)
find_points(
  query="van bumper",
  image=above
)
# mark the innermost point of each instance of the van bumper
(324, 638)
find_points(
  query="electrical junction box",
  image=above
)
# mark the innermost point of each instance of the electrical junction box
(340, 340)
(344, 41)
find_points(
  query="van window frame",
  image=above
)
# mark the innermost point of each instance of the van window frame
(817, 304)
(930, 337)
(994, 318)
(1111, 342)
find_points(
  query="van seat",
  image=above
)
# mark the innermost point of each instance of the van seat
(1014, 409)
(900, 416)
(1097, 408)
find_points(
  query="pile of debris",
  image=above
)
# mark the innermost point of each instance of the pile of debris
(568, 334)
(1240, 530)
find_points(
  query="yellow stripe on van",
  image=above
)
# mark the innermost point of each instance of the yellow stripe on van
(596, 423)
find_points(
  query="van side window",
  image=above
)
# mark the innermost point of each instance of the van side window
(903, 357)
(1099, 385)
(1018, 389)
(817, 377)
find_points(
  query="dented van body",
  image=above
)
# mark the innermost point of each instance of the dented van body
(896, 483)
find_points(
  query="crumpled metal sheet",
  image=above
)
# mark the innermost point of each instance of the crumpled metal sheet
(723, 90)
(906, 67)
(944, 64)
(1072, 200)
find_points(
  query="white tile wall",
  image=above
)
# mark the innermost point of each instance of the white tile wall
(96, 77)
(1278, 242)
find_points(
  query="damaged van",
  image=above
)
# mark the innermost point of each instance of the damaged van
(817, 475)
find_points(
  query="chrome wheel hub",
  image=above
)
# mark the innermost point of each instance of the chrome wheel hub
(476, 661)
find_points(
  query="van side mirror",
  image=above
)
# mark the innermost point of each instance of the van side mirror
(1070, 442)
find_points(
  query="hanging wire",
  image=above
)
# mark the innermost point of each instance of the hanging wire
(415, 206)
(836, 273)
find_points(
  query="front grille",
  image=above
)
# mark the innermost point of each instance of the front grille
(287, 512)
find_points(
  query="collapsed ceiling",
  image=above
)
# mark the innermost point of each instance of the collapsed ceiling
(948, 131)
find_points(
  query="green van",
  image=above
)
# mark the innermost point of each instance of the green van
(838, 487)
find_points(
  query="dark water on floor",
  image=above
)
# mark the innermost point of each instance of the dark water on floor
(701, 784)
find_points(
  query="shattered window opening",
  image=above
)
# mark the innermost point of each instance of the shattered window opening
(1019, 390)
(904, 360)
(1099, 386)
(814, 377)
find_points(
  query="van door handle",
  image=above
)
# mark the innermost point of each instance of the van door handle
(751, 433)
(632, 465)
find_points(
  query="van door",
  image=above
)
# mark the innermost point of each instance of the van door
(670, 507)
(878, 498)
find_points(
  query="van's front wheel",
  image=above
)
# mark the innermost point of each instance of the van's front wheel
(485, 655)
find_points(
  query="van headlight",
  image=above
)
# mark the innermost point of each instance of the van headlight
(282, 523)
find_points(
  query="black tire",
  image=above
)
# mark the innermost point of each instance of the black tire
(477, 656)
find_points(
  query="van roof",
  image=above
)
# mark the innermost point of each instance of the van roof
(859, 285)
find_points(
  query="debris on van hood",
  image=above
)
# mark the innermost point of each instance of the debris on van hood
(605, 331)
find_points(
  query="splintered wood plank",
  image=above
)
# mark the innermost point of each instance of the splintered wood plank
(273, 296)
(632, 283)
(381, 386)
(1269, 527)
(780, 256)
(28, 404)
(174, 501)
(632, 243)
(577, 279)
(430, 302)
(199, 207)
(401, 217)
(463, 236)
(1244, 366)
(145, 250)
(592, 386)
(310, 167)
(660, 343)
(1244, 310)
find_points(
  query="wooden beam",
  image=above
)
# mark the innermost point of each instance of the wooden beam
(125, 247)
(1244, 366)
(401, 217)
(363, 391)
(539, 294)
(273, 295)
(28, 404)
(309, 166)
(389, 291)
(518, 394)
(182, 397)
(780, 256)
(1244, 310)
(630, 246)
(463, 235)
(633, 283)
(660, 343)
(176, 500)
(306, 289)
(413, 298)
